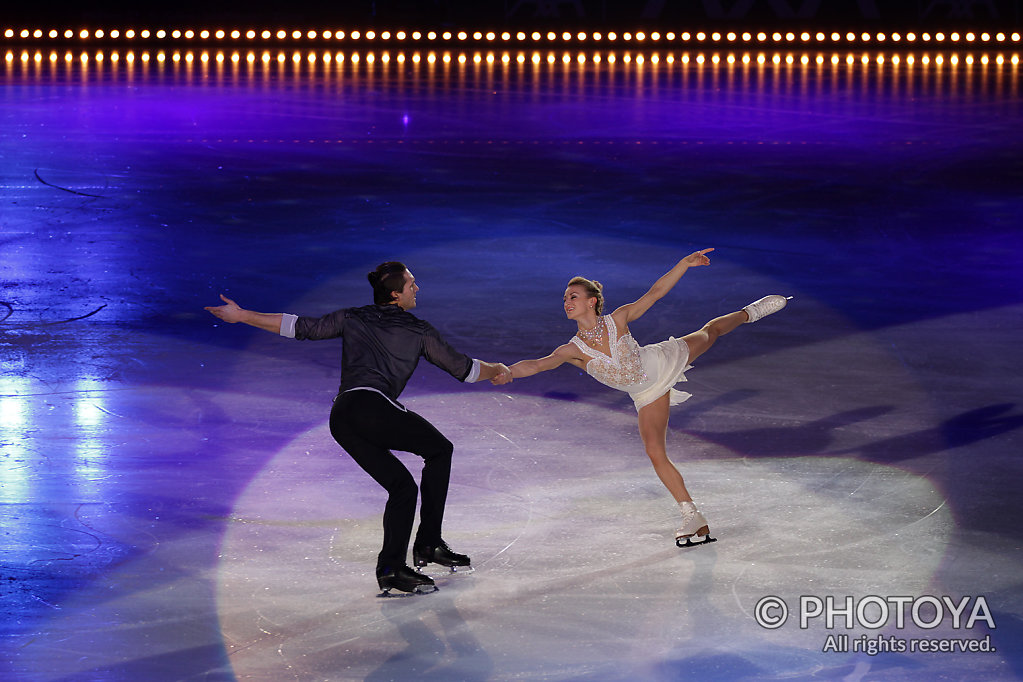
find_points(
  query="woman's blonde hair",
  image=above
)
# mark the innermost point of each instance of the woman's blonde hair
(594, 289)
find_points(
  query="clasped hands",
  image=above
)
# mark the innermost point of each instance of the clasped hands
(503, 377)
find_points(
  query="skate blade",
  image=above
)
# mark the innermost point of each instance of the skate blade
(689, 541)
(398, 594)
(434, 570)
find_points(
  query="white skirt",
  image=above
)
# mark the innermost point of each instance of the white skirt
(665, 365)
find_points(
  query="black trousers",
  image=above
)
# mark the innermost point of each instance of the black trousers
(368, 426)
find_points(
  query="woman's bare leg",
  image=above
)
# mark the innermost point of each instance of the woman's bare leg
(653, 429)
(700, 341)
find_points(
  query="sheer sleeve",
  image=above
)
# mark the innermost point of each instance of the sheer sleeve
(440, 353)
(329, 326)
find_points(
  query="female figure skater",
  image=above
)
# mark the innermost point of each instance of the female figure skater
(604, 347)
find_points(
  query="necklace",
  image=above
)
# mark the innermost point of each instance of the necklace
(592, 335)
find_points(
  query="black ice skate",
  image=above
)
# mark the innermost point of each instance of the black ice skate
(441, 554)
(404, 579)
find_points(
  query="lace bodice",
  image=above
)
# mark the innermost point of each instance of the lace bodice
(623, 369)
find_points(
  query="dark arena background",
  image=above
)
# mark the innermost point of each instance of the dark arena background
(172, 504)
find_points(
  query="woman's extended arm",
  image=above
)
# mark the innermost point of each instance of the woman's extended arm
(231, 312)
(526, 368)
(633, 311)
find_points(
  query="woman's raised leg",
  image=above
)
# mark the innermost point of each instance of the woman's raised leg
(700, 341)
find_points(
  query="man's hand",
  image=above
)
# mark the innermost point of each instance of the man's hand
(231, 312)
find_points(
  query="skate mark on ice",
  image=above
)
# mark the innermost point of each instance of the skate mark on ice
(870, 475)
(529, 503)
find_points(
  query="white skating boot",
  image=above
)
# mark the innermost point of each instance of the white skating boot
(767, 305)
(693, 524)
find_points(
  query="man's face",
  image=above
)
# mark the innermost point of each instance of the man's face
(406, 298)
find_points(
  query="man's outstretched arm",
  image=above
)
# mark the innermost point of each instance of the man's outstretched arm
(231, 312)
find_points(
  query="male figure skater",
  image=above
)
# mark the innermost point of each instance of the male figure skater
(381, 346)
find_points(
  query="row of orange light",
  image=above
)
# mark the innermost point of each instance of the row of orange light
(520, 58)
(522, 36)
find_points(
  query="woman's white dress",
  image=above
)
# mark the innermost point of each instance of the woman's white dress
(644, 372)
